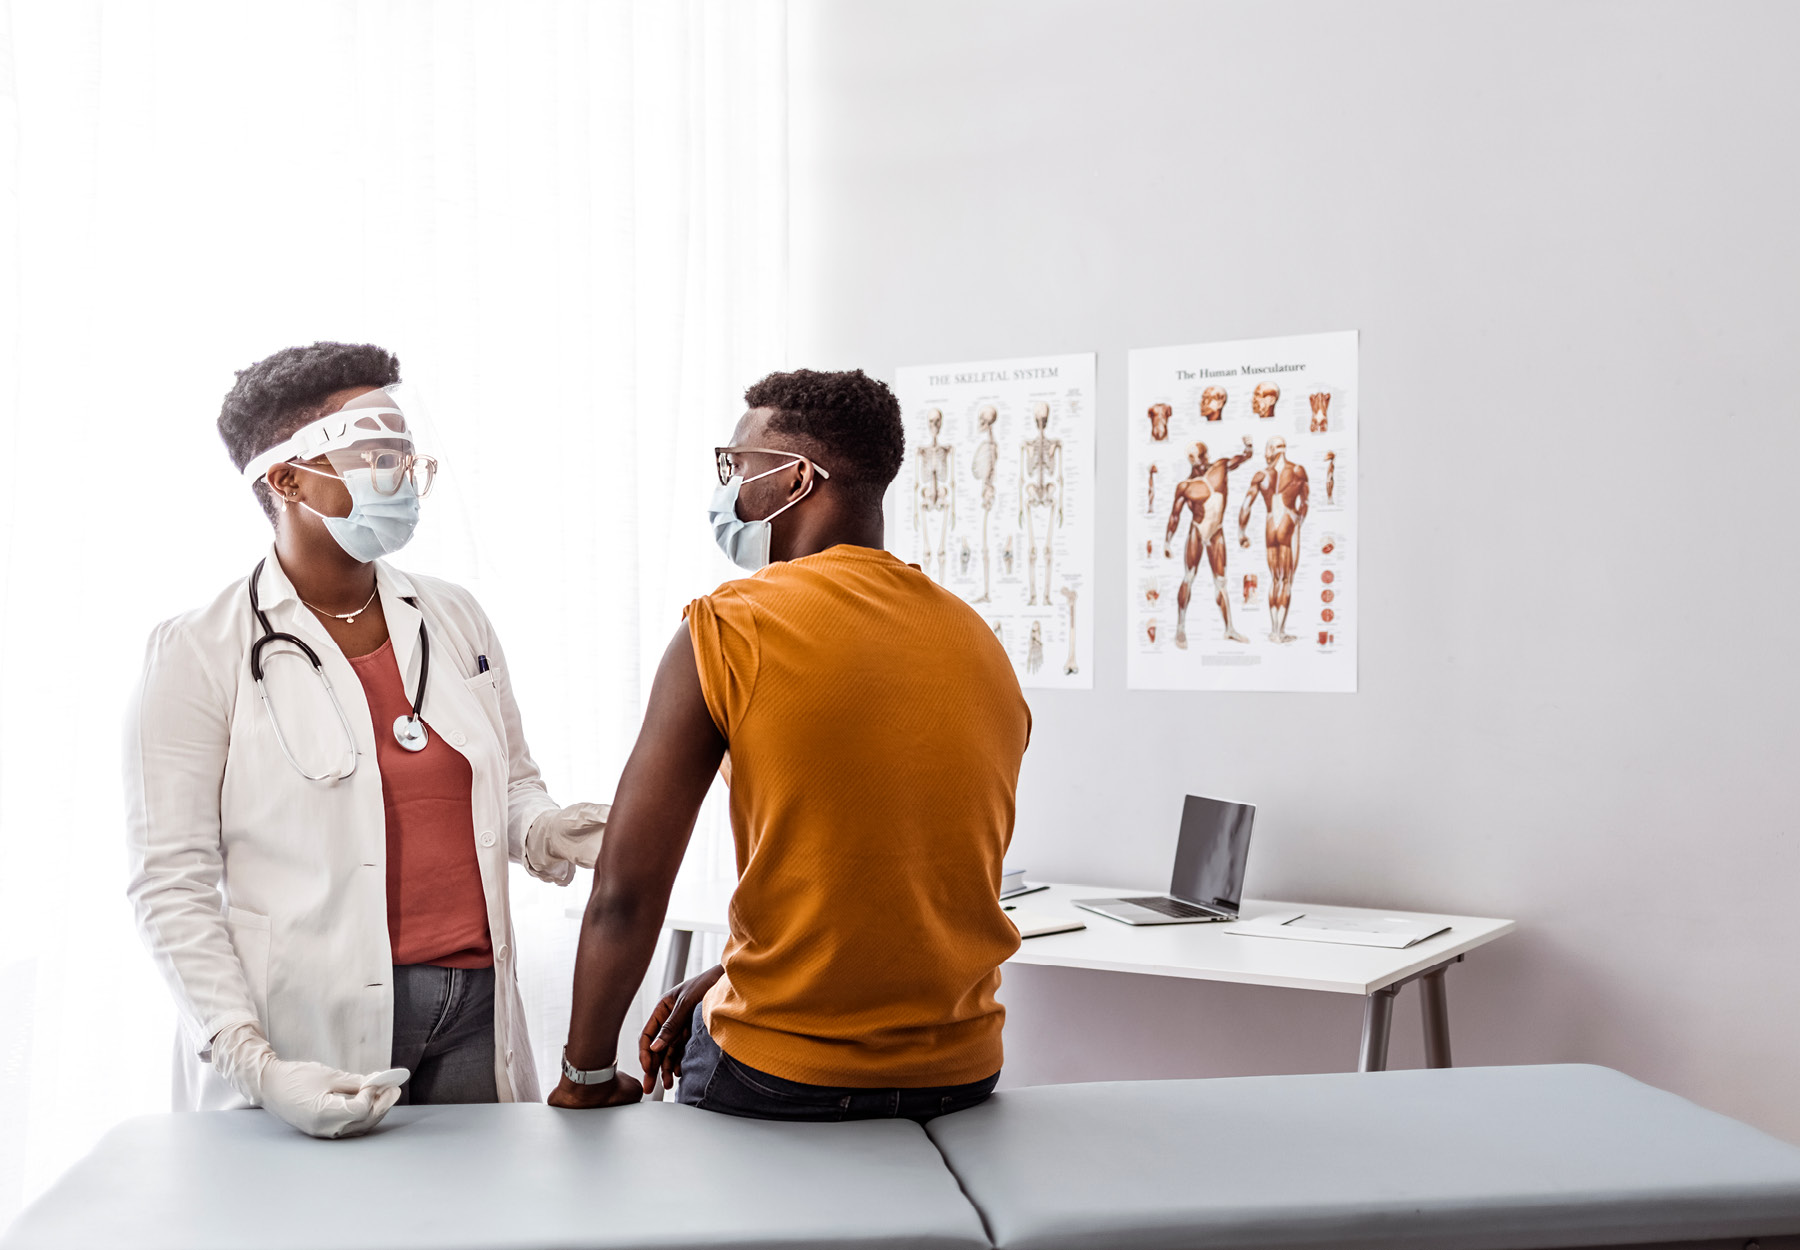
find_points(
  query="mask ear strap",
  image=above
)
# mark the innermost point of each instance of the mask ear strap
(810, 483)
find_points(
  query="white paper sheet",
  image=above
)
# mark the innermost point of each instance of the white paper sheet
(1278, 420)
(1001, 512)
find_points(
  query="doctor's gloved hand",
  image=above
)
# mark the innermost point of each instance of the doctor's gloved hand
(559, 842)
(318, 1100)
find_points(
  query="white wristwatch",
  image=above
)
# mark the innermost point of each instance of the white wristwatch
(590, 1076)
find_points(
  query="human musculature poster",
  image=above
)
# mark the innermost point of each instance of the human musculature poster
(1240, 508)
(996, 502)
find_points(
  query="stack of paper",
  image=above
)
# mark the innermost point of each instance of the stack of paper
(1396, 932)
(1013, 884)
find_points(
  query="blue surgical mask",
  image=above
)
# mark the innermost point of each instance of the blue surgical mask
(745, 543)
(378, 524)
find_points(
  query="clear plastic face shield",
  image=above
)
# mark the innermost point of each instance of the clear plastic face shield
(377, 435)
(373, 444)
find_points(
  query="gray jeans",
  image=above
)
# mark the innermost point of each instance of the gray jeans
(444, 1033)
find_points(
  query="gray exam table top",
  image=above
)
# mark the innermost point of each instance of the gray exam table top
(1452, 1159)
(504, 1177)
(1456, 1159)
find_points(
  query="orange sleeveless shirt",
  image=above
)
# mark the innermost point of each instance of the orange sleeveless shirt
(876, 730)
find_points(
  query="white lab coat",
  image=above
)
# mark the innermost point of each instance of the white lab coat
(263, 896)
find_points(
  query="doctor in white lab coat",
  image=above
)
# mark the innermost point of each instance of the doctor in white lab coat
(325, 893)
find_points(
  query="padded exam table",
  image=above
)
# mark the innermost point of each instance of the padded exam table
(1451, 1159)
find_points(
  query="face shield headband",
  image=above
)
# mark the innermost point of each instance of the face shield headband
(376, 421)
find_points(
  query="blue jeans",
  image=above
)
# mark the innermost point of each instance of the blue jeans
(713, 1081)
(444, 1033)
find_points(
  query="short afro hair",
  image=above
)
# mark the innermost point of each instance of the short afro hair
(280, 393)
(851, 418)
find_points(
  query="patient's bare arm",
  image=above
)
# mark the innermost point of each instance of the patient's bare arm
(659, 796)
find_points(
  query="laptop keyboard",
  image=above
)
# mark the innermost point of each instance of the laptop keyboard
(1174, 908)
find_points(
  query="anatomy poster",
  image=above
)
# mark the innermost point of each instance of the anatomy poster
(1240, 509)
(996, 502)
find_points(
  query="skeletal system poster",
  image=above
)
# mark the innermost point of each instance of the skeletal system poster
(1241, 515)
(996, 502)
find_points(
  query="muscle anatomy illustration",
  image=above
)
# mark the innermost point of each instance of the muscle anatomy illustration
(1212, 403)
(1150, 503)
(1321, 412)
(1330, 475)
(1264, 398)
(1203, 497)
(986, 460)
(1069, 669)
(1282, 487)
(1249, 586)
(935, 496)
(1041, 490)
(1159, 422)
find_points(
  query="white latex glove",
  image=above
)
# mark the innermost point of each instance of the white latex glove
(559, 842)
(318, 1100)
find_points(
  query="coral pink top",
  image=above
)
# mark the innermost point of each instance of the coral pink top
(437, 909)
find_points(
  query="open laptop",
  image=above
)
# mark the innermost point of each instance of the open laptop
(1208, 883)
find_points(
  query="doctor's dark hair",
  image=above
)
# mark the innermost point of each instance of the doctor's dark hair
(852, 419)
(280, 393)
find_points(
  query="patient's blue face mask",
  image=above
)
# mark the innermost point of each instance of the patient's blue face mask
(746, 543)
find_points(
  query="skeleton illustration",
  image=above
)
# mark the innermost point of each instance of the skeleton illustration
(936, 493)
(962, 560)
(1034, 653)
(1203, 496)
(1006, 556)
(999, 628)
(1264, 398)
(1283, 488)
(1159, 422)
(987, 457)
(1321, 405)
(1330, 475)
(1150, 503)
(1212, 403)
(1039, 459)
(1069, 669)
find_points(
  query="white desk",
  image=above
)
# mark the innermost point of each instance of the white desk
(1203, 952)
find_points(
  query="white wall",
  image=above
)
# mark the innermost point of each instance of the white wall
(1567, 232)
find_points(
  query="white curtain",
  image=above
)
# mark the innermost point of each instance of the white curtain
(569, 221)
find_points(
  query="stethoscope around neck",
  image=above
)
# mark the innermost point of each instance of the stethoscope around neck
(409, 731)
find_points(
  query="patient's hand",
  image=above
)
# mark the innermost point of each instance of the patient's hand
(619, 1091)
(665, 1035)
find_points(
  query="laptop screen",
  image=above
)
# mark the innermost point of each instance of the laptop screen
(1210, 855)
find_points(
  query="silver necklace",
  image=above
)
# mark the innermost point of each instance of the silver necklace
(348, 618)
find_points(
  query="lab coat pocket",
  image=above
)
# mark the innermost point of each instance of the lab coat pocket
(250, 938)
(482, 687)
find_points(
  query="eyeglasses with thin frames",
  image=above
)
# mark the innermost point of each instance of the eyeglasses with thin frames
(723, 455)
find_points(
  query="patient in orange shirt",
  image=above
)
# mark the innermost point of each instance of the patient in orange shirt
(875, 730)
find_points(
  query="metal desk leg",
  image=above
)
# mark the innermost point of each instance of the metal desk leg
(1435, 1010)
(1378, 1014)
(681, 942)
